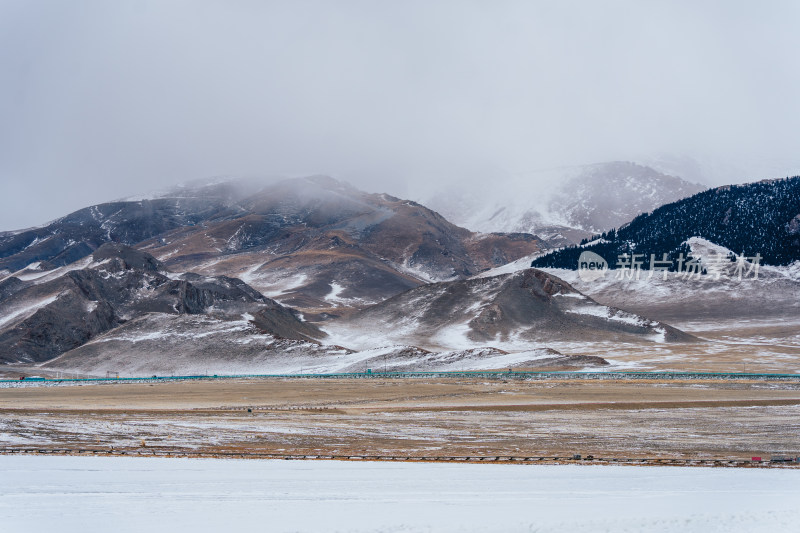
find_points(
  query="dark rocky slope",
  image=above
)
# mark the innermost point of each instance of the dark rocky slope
(66, 307)
(530, 306)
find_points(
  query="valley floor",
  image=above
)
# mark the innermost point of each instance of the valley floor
(693, 419)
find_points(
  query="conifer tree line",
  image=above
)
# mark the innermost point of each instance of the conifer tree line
(755, 218)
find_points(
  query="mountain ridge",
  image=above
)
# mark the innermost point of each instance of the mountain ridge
(317, 243)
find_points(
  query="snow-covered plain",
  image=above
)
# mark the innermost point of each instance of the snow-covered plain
(86, 494)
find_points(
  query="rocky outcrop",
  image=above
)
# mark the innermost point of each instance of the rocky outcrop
(529, 306)
(47, 316)
(66, 323)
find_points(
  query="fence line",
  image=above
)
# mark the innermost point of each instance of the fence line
(793, 460)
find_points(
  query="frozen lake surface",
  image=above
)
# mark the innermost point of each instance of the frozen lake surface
(86, 494)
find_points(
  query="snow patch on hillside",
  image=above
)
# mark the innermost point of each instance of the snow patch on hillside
(509, 268)
(333, 296)
(615, 315)
(273, 286)
(20, 314)
(34, 273)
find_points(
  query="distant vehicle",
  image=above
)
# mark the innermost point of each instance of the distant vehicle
(31, 378)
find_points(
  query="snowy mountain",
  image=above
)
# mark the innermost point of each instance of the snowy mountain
(224, 276)
(757, 218)
(562, 205)
(325, 248)
(608, 195)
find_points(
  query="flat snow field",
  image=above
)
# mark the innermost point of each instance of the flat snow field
(85, 494)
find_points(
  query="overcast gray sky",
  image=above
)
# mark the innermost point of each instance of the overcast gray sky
(104, 99)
